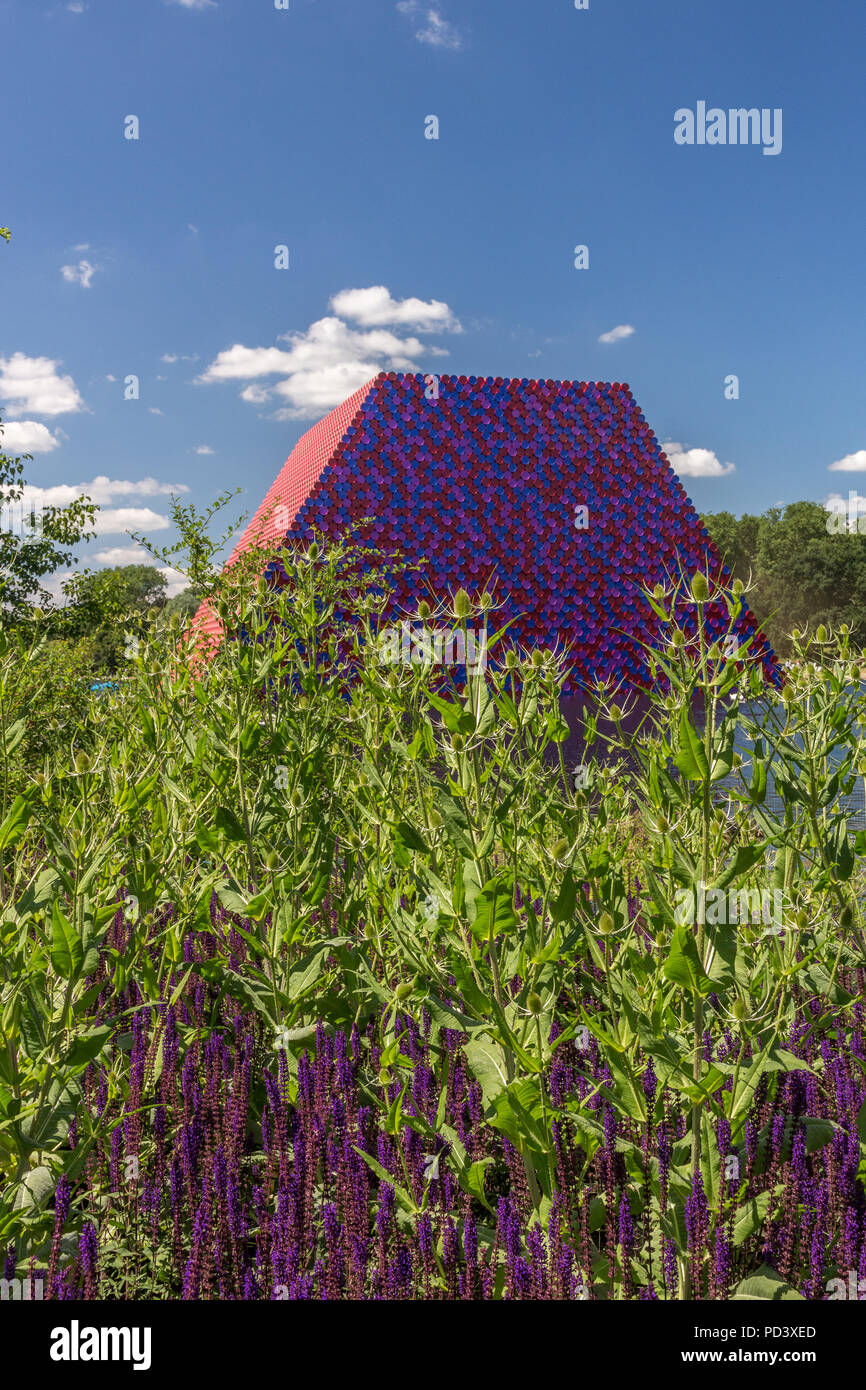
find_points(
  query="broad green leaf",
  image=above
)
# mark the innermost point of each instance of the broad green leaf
(66, 951)
(767, 1285)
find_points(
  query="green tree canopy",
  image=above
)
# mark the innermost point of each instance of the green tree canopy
(111, 605)
(803, 574)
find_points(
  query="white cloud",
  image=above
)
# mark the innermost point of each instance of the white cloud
(204, 449)
(191, 227)
(27, 437)
(330, 360)
(851, 463)
(194, 4)
(373, 307)
(615, 335)
(101, 490)
(32, 384)
(83, 246)
(76, 7)
(112, 520)
(695, 463)
(172, 357)
(109, 377)
(176, 582)
(81, 274)
(154, 410)
(124, 555)
(438, 31)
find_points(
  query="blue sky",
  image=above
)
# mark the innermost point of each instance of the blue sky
(155, 257)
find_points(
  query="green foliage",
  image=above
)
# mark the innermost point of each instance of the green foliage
(391, 840)
(28, 555)
(110, 607)
(801, 574)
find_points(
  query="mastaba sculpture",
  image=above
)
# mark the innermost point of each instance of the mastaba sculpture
(554, 494)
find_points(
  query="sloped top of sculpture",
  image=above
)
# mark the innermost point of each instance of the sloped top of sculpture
(554, 493)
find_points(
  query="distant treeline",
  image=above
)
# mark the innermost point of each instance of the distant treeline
(802, 573)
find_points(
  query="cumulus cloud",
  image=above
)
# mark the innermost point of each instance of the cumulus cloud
(375, 306)
(27, 437)
(203, 449)
(33, 385)
(615, 335)
(124, 555)
(437, 31)
(81, 274)
(851, 463)
(695, 463)
(108, 521)
(101, 490)
(330, 360)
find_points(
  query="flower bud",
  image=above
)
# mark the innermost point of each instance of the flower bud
(740, 1010)
(82, 762)
(458, 742)
(534, 1003)
(272, 861)
(404, 990)
(738, 587)
(821, 633)
(846, 916)
(605, 924)
(486, 601)
(423, 609)
(462, 604)
(700, 588)
(313, 552)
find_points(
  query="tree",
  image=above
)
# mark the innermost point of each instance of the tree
(34, 541)
(110, 606)
(802, 574)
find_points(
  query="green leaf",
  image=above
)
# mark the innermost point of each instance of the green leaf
(87, 1046)
(494, 912)
(486, 1061)
(691, 759)
(455, 821)
(628, 1089)
(226, 821)
(66, 951)
(744, 859)
(16, 821)
(35, 1189)
(562, 909)
(749, 1217)
(683, 966)
(766, 1285)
